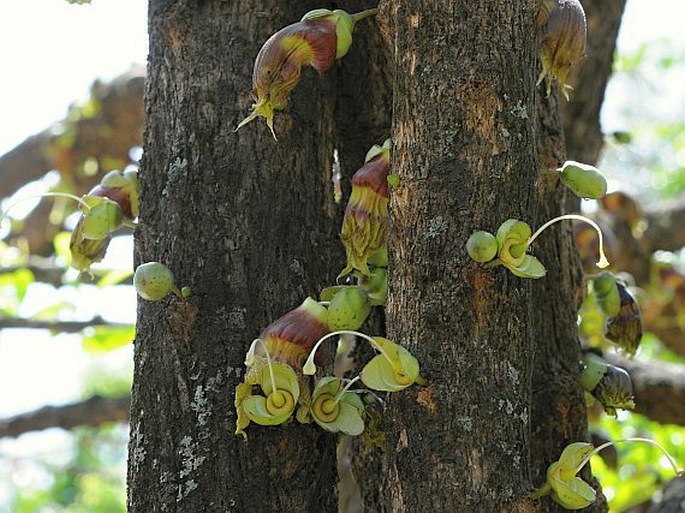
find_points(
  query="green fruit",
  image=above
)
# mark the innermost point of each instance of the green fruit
(153, 281)
(101, 220)
(607, 294)
(348, 309)
(585, 181)
(482, 246)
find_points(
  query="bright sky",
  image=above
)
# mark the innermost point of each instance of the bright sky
(51, 53)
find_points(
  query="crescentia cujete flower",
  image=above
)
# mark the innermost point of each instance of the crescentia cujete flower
(513, 238)
(609, 384)
(336, 409)
(84, 251)
(393, 369)
(570, 491)
(565, 487)
(290, 338)
(280, 386)
(364, 230)
(625, 328)
(318, 39)
(563, 36)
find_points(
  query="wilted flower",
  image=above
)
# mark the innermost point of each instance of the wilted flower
(321, 37)
(365, 225)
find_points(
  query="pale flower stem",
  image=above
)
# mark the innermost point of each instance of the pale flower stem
(602, 262)
(268, 362)
(357, 17)
(45, 195)
(310, 358)
(609, 444)
(347, 387)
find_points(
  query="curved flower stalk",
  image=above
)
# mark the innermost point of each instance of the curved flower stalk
(392, 370)
(570, 491)
(512, 241)
(290, 338)
(364, 230)
(280, 386)
(318, 39)
(336, 409)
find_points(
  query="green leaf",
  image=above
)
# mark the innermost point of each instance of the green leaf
(13, 288)
(101, 339)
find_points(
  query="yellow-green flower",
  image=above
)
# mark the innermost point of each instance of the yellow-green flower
(335, 409)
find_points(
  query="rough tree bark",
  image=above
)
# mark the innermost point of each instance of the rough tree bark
(250, 225)
(465, 152)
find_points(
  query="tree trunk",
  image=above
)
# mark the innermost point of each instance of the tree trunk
(250, 225)
(465, 150)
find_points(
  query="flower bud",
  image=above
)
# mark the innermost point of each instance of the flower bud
(103, 218)
(348, 309)
(153, 281)
(122, 189)
(583, 180)
(606, 293)
(482, 246)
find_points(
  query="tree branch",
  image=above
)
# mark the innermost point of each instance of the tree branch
(665, 227)
(659, 388)
(90, 141)
(59, 326)
(91, 412)
(584, 137)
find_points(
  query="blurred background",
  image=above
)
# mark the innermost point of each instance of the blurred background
(71, 110)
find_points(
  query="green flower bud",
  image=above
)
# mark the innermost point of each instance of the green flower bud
(606, 293)
(482, 246)
(101, 220)
(585, 181)
(153, 281)
(609, 384)
(348, 309)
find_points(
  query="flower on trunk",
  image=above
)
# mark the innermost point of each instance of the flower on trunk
(364, 231)
(335, 409)
(318, 39)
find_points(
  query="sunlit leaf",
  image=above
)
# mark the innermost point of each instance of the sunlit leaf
(101, 339)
